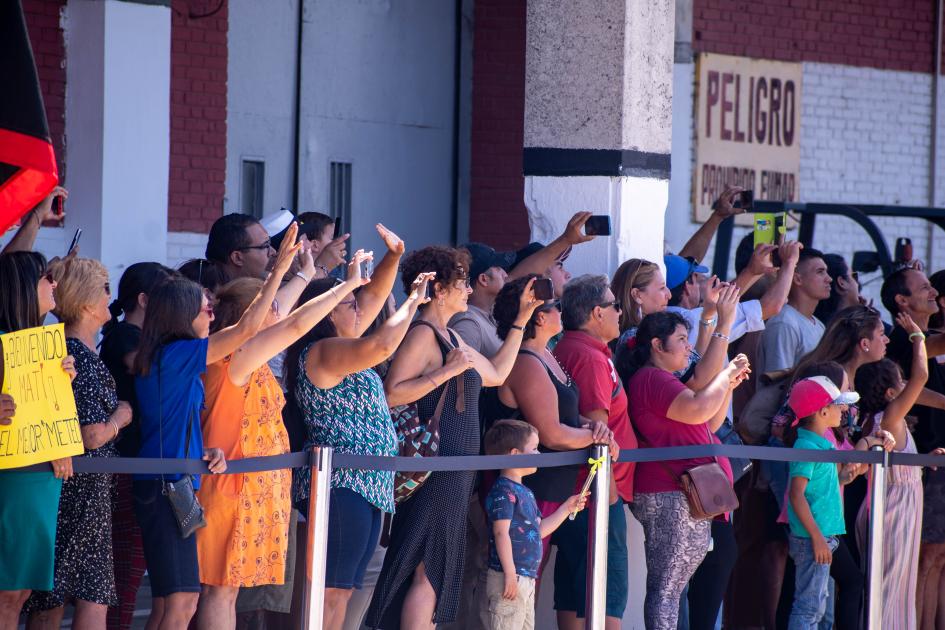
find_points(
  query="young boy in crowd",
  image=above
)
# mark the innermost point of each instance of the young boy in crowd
(815, 507)
(516, 530)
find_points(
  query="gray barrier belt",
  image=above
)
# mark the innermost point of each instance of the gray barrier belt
(153, 466)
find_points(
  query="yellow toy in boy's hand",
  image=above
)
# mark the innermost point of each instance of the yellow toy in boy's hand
(594, 464)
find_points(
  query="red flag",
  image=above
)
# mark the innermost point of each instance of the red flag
(28, 170)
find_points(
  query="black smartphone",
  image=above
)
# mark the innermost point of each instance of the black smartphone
(543, 288)
(598, 225)
(780, 229)
(745, 199)
(431, 293)
(337, 233)
(75, 241)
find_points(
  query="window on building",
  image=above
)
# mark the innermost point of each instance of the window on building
(251, 187)
(340, 192)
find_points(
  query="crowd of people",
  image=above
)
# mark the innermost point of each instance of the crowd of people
(278, 341)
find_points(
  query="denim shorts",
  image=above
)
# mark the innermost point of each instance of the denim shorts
(172, 560)
(353, 529)
(571, 563)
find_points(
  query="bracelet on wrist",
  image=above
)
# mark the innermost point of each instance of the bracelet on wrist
(514, 327)
(719, 335)
(304, 278)
(115, 426)
(917, 335)
(708, 322)
(323, 268)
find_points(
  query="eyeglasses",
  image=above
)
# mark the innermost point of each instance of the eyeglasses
(550, 305)
(266, 245)
(108, 288)
(615, 304)
(461, 283)
(352, 304)
(208, 309)
(47, 276)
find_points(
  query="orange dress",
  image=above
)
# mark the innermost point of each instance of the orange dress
(246, 537)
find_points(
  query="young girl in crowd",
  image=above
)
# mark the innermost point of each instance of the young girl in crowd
(29, 501)
(419, 585)
(84, 568)
(246, 538)
(886, 399)
(118, 349)
(176, 348)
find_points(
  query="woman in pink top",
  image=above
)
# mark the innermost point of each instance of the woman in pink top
(665, 412)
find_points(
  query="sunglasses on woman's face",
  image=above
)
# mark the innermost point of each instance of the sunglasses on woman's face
(47, 276)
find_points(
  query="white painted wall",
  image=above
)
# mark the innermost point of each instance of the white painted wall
(378, 91)
(118, 130)
(261, 97)
(864, 139)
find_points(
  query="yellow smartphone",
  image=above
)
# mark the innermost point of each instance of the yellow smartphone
(770, 228)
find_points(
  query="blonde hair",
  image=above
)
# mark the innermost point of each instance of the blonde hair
(635, 273)
(233, 298)
(77, 285)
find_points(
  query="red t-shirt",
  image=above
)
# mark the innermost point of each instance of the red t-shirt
(588, 362)
(651, 392)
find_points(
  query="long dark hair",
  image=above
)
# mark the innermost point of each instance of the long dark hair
(172, 308)
(842, 337)
(291, 414)
(660, 326)
(872, 381)
(20, 273)
(138, 278)
(836, 268)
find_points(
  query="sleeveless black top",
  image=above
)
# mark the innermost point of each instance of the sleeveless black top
(549, 484)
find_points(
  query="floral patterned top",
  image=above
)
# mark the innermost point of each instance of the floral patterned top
(352, 417)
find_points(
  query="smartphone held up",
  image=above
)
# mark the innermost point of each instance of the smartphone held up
(598, 225)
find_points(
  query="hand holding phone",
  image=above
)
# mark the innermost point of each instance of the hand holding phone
(75, 241)
(337, 233)
(745, 200)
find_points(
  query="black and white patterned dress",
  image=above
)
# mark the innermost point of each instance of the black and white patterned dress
(430, 526)
(84, 567)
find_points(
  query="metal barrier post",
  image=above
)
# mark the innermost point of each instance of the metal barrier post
(874, 569)
(317, 541)
(598, 525)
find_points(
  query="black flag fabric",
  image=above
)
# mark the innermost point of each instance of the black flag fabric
(27, 161)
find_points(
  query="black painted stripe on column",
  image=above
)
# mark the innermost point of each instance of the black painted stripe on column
(539, 161)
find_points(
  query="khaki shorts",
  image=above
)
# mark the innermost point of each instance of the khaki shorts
(506, 614)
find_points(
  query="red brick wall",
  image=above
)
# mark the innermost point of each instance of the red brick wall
(887, 34)
(42, 22)
(497, 214)
(198, 116)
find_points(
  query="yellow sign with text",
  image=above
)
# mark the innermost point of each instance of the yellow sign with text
(46, 424)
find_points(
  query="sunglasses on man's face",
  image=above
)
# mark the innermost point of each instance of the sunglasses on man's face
(267, 245)
(615, 304)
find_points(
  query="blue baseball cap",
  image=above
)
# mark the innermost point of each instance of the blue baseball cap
(678, 269)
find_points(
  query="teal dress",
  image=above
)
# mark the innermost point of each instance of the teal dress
(29, 506)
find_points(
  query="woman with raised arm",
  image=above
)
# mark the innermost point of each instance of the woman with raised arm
(340, 401)
(420, 582)
(176, 348)
(666, 413)
(29, 501)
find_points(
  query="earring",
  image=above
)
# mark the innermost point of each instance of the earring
(440, 301)
(866, 349)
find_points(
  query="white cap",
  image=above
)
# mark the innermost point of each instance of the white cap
(276, 222)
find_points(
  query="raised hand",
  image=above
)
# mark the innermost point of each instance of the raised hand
(418, 290)
(394, 243)
(574, 232)
(287, 251)
(761, 262)
(44, 211)
(723, 207)
(527, 304)
(333, 253)
(727, 303)
(790, 252)
(354, 267)
(906, 322)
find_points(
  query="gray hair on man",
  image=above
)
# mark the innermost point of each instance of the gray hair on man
(580, 297)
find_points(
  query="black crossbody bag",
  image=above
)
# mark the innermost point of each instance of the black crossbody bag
(180, 494)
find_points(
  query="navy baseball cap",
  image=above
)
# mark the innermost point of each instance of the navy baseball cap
(483, 258)
(678, 269)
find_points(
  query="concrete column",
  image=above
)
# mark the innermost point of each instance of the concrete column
(598, 113)
(118, 129)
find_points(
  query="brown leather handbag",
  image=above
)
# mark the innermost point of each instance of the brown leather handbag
(708, 489)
